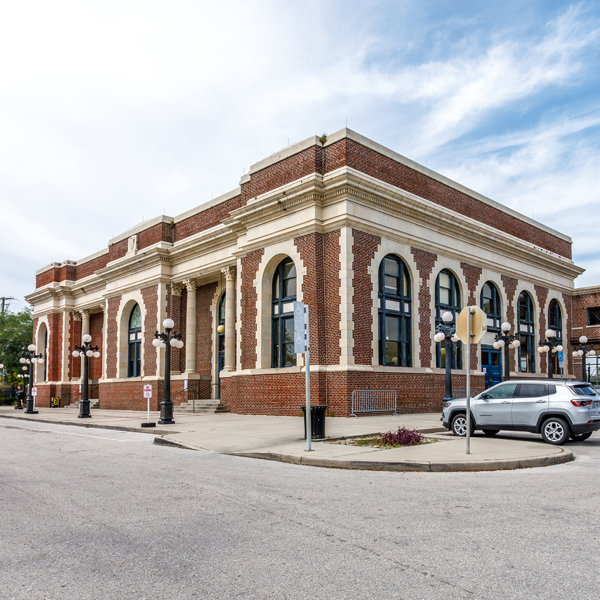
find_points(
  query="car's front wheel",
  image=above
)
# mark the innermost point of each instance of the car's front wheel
(555, 431)
(581, 437)
(459, 425)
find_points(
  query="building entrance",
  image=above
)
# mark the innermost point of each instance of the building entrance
(491, 364)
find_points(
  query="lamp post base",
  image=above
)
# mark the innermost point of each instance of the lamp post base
(166, 413)
(30, 410)
(84, 410)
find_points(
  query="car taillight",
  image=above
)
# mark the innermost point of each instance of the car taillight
(583, 403)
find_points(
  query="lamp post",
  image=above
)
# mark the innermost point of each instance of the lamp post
(30, 358)
(447, 331)
(583, 349)
(165, 340)
(550, 346)
(507, 341)
(86, 351)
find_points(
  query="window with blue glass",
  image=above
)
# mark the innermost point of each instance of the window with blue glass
(134, 345)
(394, 313)
(526, 334)
(555, 323)
(447, 299)
(282, 314)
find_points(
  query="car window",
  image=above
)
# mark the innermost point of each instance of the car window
(583, 390)
(532, 390)
(502, 391)
(551, 390)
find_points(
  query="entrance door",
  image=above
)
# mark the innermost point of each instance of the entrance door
(491, 364)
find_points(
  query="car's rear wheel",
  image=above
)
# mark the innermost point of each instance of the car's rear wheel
(581, 437)
(555, 431)
(459, 425)
(491, 431)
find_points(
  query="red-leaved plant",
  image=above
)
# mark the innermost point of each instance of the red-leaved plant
(402, 437)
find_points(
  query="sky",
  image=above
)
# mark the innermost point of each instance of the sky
(116, 112)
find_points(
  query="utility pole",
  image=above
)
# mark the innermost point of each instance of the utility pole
(4, 301)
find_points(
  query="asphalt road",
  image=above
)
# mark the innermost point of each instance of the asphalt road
(108, 515)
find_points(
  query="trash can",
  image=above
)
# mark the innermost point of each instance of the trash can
(317, 421)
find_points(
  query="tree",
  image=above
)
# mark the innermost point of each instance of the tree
(16, 333)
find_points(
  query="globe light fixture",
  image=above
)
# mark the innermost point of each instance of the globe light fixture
(167, 339)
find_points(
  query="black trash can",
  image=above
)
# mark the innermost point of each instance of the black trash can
(317, 421)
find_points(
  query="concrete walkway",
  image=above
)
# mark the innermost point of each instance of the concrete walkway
(281, 439)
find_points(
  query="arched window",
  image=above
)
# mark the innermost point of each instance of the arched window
(555, 323)
(45, 353)
(284, 294)
(394, 313)
(134, 345)
(447, 298)
(526, 334)
(491, 305)
(221, 335)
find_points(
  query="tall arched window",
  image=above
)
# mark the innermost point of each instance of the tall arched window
(447, 298)
(134, 345)
(284, 294)
(394, 313)
(221, 335)
(555, 323)
(526, 334)
(491, 305)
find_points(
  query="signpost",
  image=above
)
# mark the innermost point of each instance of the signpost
(33, 395)
(148, 395)
(302, 346)
(471, 326)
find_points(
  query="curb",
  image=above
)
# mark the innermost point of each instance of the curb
(428, 467)
(93, 425)
(165, 442)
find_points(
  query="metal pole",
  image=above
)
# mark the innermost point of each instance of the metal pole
(583, 367)
(166, 406)
(30, 410)
(449, 356)
(307, 370)
(550, 364)
(506, 362)
(84, 403)
(469, 381)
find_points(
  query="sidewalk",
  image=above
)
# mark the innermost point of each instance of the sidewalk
(280, 439)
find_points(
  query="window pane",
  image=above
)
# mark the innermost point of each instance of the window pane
(444, 296)
(495, 359)
(392, 305)
(391, 284)
(289, 288)
(444, 280)
(275, 309)
(222, 309)
(503, 391)
(406, 286)
(135, 321)
(392, 329)
(289, 270)
(443, 355)
(276, 287)
(290, 357)
(287, 307)
(407, 308)
(288, 330)
(392, 350)
(391, 267)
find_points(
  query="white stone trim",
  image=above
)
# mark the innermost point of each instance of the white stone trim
(525, 286)
(271, 258)
(126, 304)
(403, 252)
(346, 296)
(39, 342)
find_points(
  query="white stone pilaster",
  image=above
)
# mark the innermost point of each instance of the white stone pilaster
(346, 294)
(190, 327)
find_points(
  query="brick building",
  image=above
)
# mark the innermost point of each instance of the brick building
(377, 246)
(586, 322)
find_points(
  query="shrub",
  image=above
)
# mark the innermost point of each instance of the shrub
(402, 437)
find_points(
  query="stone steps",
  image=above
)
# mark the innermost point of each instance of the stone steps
(200, 407)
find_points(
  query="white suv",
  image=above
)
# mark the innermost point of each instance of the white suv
(557, 409)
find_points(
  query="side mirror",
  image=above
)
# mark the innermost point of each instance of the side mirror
(484, 396)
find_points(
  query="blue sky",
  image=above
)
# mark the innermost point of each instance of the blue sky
(115, 112)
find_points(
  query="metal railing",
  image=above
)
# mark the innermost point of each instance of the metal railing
(373, 401)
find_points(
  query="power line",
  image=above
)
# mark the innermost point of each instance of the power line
(4, 301)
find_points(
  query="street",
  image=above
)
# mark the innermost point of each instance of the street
(91, 513)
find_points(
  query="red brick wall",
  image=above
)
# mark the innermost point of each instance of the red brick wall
(580, 304)
(364, 247)
(129, 394)
(472, 275)
(207, 218)
(150, 299)
(91, 266)
(55, 325)
(283, 394)
(425, 262)
(250, 264)
(349, 153)
(542, 297)
(74, 338)
(118, 250)
(320, 254)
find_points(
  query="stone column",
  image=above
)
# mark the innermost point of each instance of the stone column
(230, 279)
(190, 327)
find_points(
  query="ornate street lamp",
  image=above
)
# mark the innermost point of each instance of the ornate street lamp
(507, 341)
(583, 349)
(165, 340)
(447, 331)
(86, 351)
(548, 346)
(30, 358)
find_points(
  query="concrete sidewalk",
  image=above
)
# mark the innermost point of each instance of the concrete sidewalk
(281, 439)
